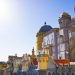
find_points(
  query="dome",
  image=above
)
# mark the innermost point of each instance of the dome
(45, 28)
(65, 15)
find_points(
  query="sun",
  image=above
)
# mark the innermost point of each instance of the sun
(4, 10)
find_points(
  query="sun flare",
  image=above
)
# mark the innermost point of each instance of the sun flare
(4, 10)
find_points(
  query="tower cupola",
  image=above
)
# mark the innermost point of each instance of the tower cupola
(64, 20)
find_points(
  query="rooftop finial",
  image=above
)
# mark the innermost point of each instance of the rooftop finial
(33, 49)
(45, 23)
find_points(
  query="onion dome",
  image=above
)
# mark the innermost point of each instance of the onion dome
(45, 28)
(65, 15)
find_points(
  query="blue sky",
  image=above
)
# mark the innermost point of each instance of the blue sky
(20, 20)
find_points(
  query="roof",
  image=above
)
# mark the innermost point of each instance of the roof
(3, 63)
(62, 61)
(45, 28)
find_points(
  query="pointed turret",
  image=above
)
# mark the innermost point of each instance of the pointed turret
(33, 52)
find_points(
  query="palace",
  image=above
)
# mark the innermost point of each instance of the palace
(60, 40)
(55, 49)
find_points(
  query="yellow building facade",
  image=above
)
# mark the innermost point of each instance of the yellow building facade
(39, 40)
(44, 53)
(2, 65)
(43, 62)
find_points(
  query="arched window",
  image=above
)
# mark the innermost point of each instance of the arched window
(62, 73)
(53, 73)
(58, 73)
(49, 73)
(67, 73)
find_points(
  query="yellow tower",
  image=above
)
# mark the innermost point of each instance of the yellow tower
(39, 40)
(40, 35)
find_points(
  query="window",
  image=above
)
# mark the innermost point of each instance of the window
(62, 73)
(53, 73)
(58, 73)
(47, 60)
(49, 73)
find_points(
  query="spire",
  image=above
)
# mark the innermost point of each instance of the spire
(33, 52)
(44, 23)
(16, 54)
(33, 49)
